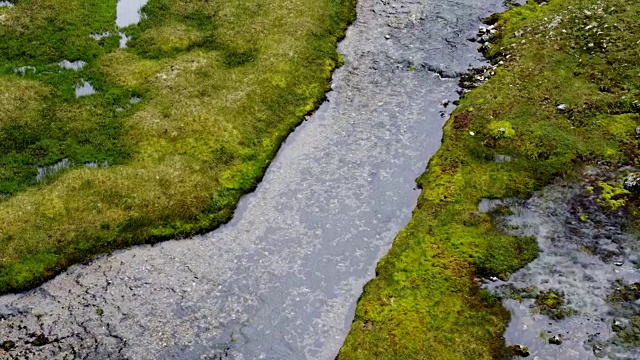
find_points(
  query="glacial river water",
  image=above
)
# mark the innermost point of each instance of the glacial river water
(281, 280)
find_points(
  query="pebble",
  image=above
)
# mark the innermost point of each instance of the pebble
(555, 340)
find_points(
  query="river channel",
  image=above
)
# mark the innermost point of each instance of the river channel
(281, 280)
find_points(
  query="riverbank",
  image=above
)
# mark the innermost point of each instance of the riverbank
(563, 97)
(151, 138)
(281, 279)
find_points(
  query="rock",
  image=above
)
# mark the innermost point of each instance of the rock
(484, 39)
(597, 350)
(555, 340)
(387, 37)
(7, 345)
(617, 325)
(445, 102)
(632, 182)
(562, 107)
(618, 263)
(638, 131)
(519, 350)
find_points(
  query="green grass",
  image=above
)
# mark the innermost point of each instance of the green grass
(222, 82)
(424, 302)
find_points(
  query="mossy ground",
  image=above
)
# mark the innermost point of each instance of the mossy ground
(222, 83)
(566, 97)
(623, 300)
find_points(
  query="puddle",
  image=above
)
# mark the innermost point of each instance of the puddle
(44, 172)
(123, 40)
(501, 159)
(100, 36)
(84, 89)
(24, 69)
(75, 65)
(95, 164)
(584, 256)
(128, 12)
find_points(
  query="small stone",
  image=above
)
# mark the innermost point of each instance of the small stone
(562, 107)
(617, 325)
(597, 350)
(471, 133)
(618, 263)
(493, 278)
(387, 37)
(7, 345)
(445, 102)
(638, 131)
(555, 340)
(519, 350)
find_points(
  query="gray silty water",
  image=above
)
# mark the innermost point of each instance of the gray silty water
(583, 252)
(84, 89)
(281, 280)
(128, 12)
(72, 65)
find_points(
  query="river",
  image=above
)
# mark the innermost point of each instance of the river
(281, 280)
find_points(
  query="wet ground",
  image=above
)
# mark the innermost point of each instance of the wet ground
(281, 280)
(587, 258)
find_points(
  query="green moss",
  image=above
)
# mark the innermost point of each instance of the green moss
(7, 345)
(629, 335)
(552, 304)
(438, 311)
(222, 84)
(501, 129)
(613, 195)
(623, 300)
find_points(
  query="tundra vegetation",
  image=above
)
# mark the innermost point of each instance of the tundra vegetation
(220, 84)
(564, 96)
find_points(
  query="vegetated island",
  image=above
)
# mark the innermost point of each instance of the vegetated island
(564, 96)
(104, 145)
